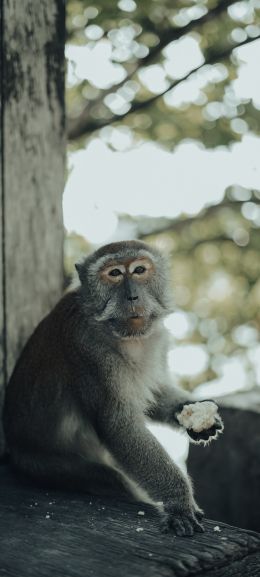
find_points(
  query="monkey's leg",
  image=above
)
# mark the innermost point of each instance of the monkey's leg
(73, 472)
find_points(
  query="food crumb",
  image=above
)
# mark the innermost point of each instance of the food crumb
(198, 416)
(217, 528)
(47, 516)
(140, 513)
(139, 529)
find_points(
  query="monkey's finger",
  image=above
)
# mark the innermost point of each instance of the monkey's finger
(219, 424)
(206, 434)
(202, 435)
(173, 524)
(165, 524)
(178, 526)
(191, 524)
(198, 526)
(183, 525)
(188, 524)
(199, 514)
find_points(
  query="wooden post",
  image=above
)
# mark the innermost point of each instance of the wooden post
(2, 330)
(32, 168)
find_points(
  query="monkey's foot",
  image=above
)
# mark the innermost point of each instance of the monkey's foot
(181, 523)
(201, 421)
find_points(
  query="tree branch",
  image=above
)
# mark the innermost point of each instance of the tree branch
(166, 38)
(172, 34)
(178, 224)
(83, 126)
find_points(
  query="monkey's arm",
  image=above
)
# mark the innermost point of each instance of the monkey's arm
(143, 459)
(177, 408)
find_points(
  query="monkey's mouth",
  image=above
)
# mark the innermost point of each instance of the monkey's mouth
(131, 325)
(135, 311)
(135, 315)
(128, 319)
(136, 321)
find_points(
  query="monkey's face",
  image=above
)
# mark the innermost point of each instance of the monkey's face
(131, 307)
(130, 289)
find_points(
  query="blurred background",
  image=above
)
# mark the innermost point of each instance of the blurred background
(163, 107)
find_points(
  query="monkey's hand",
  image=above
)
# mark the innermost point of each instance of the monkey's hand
(201, 421)
(182, 521)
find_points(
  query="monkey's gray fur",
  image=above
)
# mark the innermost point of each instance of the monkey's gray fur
(90, 375)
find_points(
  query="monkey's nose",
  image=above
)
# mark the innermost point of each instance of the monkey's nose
(132, 298)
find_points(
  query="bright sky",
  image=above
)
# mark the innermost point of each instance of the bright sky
(148, 180)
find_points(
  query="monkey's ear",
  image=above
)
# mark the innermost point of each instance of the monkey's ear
(79, 266)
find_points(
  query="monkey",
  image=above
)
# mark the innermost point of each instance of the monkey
(90, 377)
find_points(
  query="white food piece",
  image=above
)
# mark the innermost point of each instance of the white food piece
(139, 529)
(198, 416)
(140, 513)
(217, 528)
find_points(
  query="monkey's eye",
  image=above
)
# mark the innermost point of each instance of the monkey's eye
(115, 272)
(139, 270)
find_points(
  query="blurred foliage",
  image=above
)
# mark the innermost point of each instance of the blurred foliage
(141, 38)
(215, 255)
(76, 247)
(216, 279)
